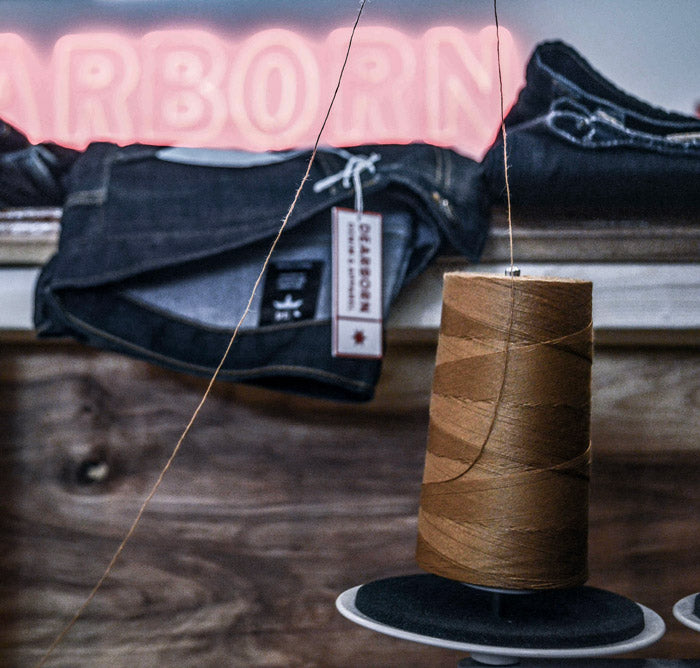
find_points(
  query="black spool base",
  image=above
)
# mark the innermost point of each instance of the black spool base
(496, 628)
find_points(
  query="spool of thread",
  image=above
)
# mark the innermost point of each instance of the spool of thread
(504, 500)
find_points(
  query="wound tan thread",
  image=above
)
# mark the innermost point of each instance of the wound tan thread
(504, 500)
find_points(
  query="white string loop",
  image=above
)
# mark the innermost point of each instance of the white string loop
(355, 165)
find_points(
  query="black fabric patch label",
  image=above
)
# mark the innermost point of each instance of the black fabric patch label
(291, 292)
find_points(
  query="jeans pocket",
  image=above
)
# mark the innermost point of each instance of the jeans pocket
(599, 126)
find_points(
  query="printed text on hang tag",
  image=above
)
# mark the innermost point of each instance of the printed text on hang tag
(357, 284)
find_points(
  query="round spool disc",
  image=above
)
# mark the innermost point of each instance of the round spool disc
(400, 609)
(685, 611)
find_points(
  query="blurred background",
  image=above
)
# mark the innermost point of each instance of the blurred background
(258, 74)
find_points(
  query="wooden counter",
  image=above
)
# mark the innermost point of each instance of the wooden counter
(276, 504)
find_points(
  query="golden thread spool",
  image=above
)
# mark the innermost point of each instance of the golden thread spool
(504, 500)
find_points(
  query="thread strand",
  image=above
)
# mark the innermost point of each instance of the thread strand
(64, 632)
(509, 326)
(505, 137)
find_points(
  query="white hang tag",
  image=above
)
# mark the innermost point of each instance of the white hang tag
(357, 284)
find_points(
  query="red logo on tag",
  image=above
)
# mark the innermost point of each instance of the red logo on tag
(357, 284)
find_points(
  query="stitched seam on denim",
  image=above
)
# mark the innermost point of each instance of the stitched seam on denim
(326, 375)
(448, 169)
(101, 217)
(596, 115)
(107, 169)
(634, 139)
(527, 125)
(628, 112)
(438, 164)
(674, 147)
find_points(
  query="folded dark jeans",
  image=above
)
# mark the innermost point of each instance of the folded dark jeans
(31, 174)
(578, 144)
(160, 249)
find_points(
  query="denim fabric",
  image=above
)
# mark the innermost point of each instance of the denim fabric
(31, 175)
(160, 249)
(578, 144)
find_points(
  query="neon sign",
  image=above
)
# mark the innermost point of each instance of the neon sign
(268, 91)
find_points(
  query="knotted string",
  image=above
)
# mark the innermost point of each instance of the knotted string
(355, 165)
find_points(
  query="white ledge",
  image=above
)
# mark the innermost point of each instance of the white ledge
(626, 297)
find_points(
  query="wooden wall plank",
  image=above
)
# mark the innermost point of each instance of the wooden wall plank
(546, 237)
(276, 504)
(30, 236)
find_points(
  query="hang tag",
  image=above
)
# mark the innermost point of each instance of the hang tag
(357, 284)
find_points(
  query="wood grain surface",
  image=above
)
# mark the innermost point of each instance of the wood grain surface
(29, 236)
(276, 504)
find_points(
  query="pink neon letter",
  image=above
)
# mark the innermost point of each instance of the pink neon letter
(274, 90)
(19, 74)
(374, 102)
(181, 95)
(94, 74)
(461, 86)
